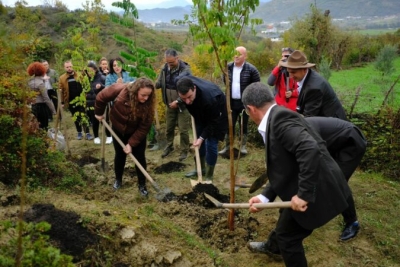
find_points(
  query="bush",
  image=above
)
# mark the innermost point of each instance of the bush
(383, 137)
(36, 250)
(45, 167)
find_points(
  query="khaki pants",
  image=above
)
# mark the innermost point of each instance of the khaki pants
(174, 117)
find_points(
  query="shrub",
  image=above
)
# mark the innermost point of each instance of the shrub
(45, 167)
(36, 248)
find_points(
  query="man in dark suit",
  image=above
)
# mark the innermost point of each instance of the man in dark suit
(346, 144)
(316, 95)
(207, 104)
(299, 169)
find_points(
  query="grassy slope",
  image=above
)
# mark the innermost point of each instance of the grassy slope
(373, 87)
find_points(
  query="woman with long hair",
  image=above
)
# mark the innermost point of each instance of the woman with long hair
(131, 117)
(117, 72)
(39, 108)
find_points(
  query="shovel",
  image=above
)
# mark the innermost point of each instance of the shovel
(104, 165)
(161, 193)
(271, 205)
(197, 155)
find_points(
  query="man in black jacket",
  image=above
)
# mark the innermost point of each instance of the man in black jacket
(176, 112)
(300, 170)
(207, 104)
(241, 74)
(316, 95)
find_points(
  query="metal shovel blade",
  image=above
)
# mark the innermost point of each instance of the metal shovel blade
(259, 182)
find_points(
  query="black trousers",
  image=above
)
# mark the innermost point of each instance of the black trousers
(41, 114)
(120, 158)
(78, 122)
(287, 238)
(237, 109)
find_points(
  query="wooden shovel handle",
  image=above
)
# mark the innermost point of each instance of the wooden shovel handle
(271, 205)
(130, 154)
(196, 152)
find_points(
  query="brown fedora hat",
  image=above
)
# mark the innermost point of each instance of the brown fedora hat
(297, 60)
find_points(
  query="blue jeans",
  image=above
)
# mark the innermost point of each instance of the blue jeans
(209, 147)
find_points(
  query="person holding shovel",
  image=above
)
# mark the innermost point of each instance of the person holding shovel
(131, 117)
(207, 104)
(308, 177)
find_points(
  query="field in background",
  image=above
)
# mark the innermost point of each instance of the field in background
(373, 87)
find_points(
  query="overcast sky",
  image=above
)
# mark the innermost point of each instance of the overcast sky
(74, 4)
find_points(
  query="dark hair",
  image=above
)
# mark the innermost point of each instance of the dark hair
(291, 50)
(36, 69)
(93, 65)
(111, 63)
(184, 85)
(171, 53)
(257, 95)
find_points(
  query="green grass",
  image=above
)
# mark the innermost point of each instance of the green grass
(373, 87)
(376, 31)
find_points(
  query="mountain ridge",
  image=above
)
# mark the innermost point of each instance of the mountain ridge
(284, 10)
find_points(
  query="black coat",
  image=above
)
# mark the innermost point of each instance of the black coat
(317, 98)
(298, 163)
(345, 142)
(98, 78)
(209, 109)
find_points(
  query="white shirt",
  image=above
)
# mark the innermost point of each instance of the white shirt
(300, 84)
(236, 81)
(261, 129)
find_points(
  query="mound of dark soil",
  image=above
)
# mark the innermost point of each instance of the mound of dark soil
(168, 167)
(66, 231)
(226, 155)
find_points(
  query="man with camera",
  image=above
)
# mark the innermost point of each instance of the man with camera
(286, 93)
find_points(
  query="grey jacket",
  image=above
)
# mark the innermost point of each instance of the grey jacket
(167, 82)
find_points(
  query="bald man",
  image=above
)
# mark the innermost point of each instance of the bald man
(241, 74)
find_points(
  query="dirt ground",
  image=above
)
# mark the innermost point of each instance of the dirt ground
(102, 227)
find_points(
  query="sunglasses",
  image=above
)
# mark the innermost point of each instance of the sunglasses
(286, 49)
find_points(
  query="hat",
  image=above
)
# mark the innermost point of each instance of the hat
(297, 60)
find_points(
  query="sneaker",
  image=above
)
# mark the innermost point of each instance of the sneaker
(143, 190)
(117, 184)
(183, 156)
(79, 136)
(167, 150)
(350, 231)
(97, 141)
(109, 140)
(89, 136)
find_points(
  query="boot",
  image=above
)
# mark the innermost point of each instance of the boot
(227, 146)
(209, 172)
(193, 173)
(243, 149)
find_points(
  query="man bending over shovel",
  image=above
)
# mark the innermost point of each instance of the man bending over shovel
(207, 104)
(300, 169)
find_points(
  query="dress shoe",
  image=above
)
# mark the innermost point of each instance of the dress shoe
(262, 247)
(167, 150)
(143, 190)
(350, 231)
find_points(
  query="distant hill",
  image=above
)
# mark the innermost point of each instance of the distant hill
(163, 14)
(169, 10)
(283, 10)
